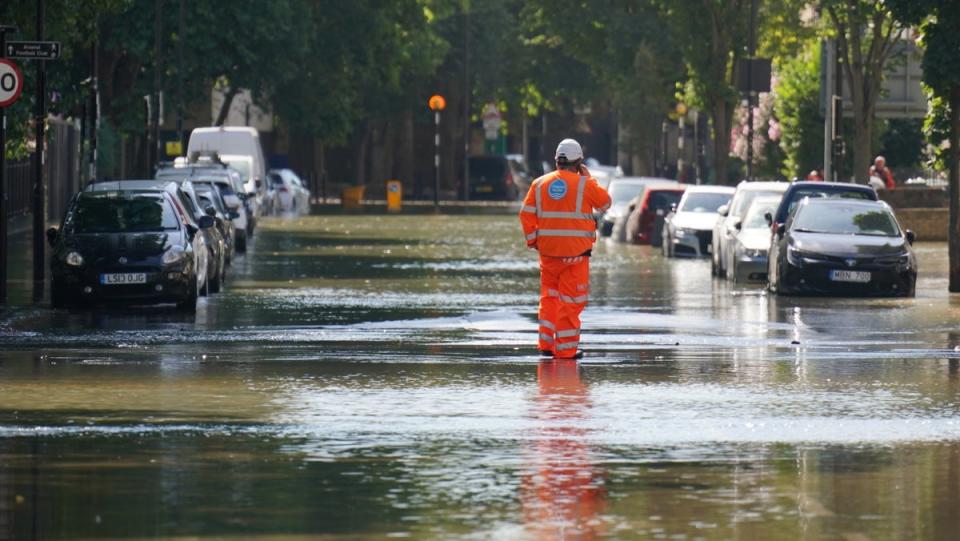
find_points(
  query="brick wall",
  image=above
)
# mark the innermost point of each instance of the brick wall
(930, 224)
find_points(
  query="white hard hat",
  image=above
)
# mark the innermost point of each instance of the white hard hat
(569, 149)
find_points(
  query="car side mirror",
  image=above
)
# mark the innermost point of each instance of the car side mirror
(212, 212)
(52, 234)
(781, 229)
(258, 183)
(738, 225)
(673, 207)
(723, 210)
(911, 236)
(192, 230)
(768, 217)
(206, 222)
(234, 215)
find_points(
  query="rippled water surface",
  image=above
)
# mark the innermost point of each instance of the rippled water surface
(370, 377)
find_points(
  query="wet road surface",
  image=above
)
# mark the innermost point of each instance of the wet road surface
(365, 377)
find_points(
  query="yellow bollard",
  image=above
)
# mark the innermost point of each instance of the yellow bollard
(394, 195)
(350, 197)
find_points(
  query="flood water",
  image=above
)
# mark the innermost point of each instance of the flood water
(370, 377)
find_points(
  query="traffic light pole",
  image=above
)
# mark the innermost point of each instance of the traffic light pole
(436, 159)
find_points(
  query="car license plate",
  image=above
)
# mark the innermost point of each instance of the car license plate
(850, 276)
(484, 189)
(123, 278)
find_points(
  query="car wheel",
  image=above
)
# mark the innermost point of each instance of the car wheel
(58, 296)
(241, 241)
(189, 304)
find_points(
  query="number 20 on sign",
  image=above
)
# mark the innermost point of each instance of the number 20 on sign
(11, 82)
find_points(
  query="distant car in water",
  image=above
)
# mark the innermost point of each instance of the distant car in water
(730, 215)
(622, 190)
(289, 193)
(842, 247)
(604, 174)
(688, 228)
(491, 177)
(645, 222)
(126, 245)
(750, 245)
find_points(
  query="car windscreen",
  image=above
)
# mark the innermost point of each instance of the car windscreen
(487, 169)
(846, 219)
(225, 189)
(622, 192)
(756, 215)
(242, 166)
(112, 213)
(746, 198)
(663, 200)
(207, 195)
(819, 193)
(704, 202)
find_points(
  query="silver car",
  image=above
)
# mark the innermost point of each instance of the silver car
(752, 241)
(730, 215)
(689, 226)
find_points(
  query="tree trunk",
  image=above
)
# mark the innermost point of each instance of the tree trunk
(225, 106)
(862, 143)
(405, 146)
(361, 142)
(720, 114)
(954, 190)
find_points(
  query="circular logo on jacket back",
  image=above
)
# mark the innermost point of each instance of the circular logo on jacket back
(557, 189)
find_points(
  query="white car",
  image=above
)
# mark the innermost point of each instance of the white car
(687, 230)
(752, 241)
(289, 192)
(730, 215)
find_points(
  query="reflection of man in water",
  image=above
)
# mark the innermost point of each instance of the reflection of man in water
(562, 493)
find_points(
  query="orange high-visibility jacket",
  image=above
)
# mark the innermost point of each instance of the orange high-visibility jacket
(557, 214)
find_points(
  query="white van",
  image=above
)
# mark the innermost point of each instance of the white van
(235, 141)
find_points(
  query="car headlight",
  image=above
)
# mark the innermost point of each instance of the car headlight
(683, 232)
(74, 259)
(173, 255)
(794, 256)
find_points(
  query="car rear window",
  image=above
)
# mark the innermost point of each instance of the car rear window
(112, 213)
(844, 219)
(663, 199)
(487, 169)
(621, 192)
(704, 202)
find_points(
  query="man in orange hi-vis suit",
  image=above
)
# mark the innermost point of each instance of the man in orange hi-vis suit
(558, 222)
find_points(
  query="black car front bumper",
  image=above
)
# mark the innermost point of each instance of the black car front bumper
(84, 285)
(815, 279)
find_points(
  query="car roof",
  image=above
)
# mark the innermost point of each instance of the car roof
(806, 201)
(755, 185)
(128, 185)
(711, 189)
(818, 184)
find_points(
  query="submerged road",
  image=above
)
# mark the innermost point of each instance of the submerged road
(365, 377)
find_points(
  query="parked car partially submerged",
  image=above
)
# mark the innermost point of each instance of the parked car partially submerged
(688, 229)
(842, 247)
(127, 245)
(730, 215)
(752, 241)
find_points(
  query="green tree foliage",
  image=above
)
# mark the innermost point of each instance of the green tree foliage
(798, 109)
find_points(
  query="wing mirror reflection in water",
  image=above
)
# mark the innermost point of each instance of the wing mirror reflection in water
(563, 490)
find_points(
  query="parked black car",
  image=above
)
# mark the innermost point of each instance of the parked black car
(492, 177)
(842, 247)
(799, 190)
(125, 245)
(185, 199)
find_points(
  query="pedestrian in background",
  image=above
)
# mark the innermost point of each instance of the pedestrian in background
(558, 221)
(880, 170)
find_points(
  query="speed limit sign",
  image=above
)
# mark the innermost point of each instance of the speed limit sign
(11, 82)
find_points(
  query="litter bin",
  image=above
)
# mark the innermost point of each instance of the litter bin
(350, 197)
(394, 195)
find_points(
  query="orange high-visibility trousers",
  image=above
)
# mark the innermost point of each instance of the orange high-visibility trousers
(564, 291)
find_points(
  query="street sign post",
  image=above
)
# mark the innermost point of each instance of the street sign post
(14, 94)
(32, 50)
